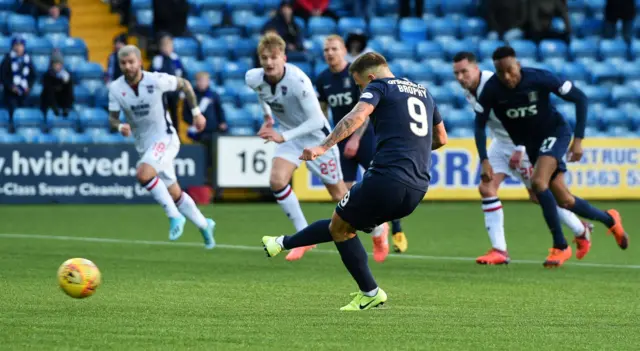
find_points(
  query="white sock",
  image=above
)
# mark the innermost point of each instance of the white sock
(371, 293)
(494, 222)
(572, 221)
(188, 208)
(377, 231)
(288, 200)
(160, 193)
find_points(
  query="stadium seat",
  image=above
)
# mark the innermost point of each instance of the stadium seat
(442, 27)
(460, 118)
(632, 111)
(319, 67)
(429, 50)
(48, 24)
(420, 72)
(88, 70)
(11, 138)
(473, 27)
(583, 48)
(386, 7)
(595, 6)
(214, 47)
(21, 24)
(456, 6)
(321, 26)
(613, 117)
(39, 46)
(233, 70)
(4, 118)
(306, 67)
(621, 94)
(487, 47)
(241, 18)
(603, 72)
(101, 98)
(82, 95)
(596, 94)
(631, 71)
(348, 25)
(412, 30)
(5, 45)
(461, 133)
(610, 48)
(246, 95)
(244, 48)
(198, 25)
(93, 118)
(185, 46)
(53, 121)
(574, 71)
(401, 50)
(555, 64)
(73, 46)
(314, 47)
(255, 111)
(383, 26)
(73, 61)
(442, 95)
(525, 48)
(7, 5)
(94, 133)
(237, 117)
(29, 134)
(242, 131)
(205, 5)
(227, 94)
(141, 5)
(93, 85)
(592, 132)
(590, 27)
(234, 5)
(27, 117)
(397, 68)
(213, 17)
(576, 6)
(194, 67)
(459, 45)
(553, 48)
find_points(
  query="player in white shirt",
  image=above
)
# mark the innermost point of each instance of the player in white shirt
(506, 159)
(138, 94)
(284, 91)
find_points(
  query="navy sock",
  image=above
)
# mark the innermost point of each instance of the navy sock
(550, 212)
(584, 209)
(395, 226)
(315, 233)
(355, 259)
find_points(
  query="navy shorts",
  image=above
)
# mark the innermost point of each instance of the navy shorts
(377, 199)
(363, 157)
(555, 144)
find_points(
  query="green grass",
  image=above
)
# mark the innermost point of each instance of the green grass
(173, 296)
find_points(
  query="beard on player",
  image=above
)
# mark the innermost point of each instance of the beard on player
(131, 68)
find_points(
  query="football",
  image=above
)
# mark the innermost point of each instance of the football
(79, 277)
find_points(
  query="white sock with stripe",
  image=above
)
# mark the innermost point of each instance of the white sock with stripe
(288, 200)
(494, 222)
(160, 193)
(377, 231)
(189, 209)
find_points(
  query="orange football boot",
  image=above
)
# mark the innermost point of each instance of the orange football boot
(298, 252)
(557, 257)
(494, 257)
(622, 238)
(583, 242)
(381, 244)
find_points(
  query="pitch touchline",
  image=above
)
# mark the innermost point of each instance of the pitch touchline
(258, 248)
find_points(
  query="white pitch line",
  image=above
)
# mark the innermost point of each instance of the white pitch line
(259, 248)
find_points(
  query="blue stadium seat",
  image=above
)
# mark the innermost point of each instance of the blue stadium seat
(459, 45)
(209, 4)
(568, 111)
(632, 111)
(7, 5)
(442, 95)
(21, 24)
(237, 117)
(621, 94)
(583, 48)
(396, 68)
(240, 18)
(227, 94)
(596, 94)
(198, 25)
(631, 71)
(28, 117)
(575, 71)
(244, 48)
(487, 47)
(82, 95)
(321, 26)
(351, 24)
(442, 27)
(101, 97)
(93, 85)
(319, 67)
(141, 5)
(94, 133)
(401, 50)
(461, 133)
(525, 48)
(613, 117)
(603, 72)
(184, 46)
(255, 111)
(306, 67)
(254, 27)
(420, 72)
(429, 50)
(29, 134)
(553, 48)
(246, 95)
(634, 49)
(242, 131)
(386, 7)
(232, 70)
(94, 118)
(73, 46)
(213, 17)
(33, 99)
(456, 6)
(462, 118)
(556, 64)
(233, 5)
(473, 27)
(48, 24)
(77, 138)
(5, 45)
(214, 47)
(592, 132)
(88, 70)
(412, 30)
(198, 66)
(39, 46)
(144, 22)
(53, 121)
(73, 61)
(11, 138)
(621, 132)
(590, 27)
(576, 6)
(314, 47)
(383, 26)
(610, 48)
(594, 6)
(4, 118)
(40, 63)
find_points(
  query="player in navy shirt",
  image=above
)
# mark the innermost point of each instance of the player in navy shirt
(519, 97)
(338, 91)
(408, 126)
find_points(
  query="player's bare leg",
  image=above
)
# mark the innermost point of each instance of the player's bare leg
(281, 173)
(544, 170)
(379, 235)
(189, 209)
(494, 221)
(610, 218)
(148, 177)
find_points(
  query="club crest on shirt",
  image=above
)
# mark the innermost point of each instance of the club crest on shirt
(150, 89)
(347, 83)
(533, 96)
(284, 90)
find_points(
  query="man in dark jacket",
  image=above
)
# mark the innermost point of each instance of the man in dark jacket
(286, 27)
(169, 62)
(624, 10)
(18, 74)
(113, 66)
(209, 103)
(57, 88)
(170, 16)
(53, 8)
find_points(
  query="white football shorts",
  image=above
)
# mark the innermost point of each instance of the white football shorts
(160, 156)
(499, 155)
(326, 167)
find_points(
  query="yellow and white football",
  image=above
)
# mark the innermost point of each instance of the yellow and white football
(79, 277)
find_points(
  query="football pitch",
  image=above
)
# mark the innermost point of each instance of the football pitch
(174, 296)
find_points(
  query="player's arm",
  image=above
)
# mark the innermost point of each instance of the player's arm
(114, 116)
(325, 108)
(439, 132)
(570, 92)
(349, 124)
(190, 95)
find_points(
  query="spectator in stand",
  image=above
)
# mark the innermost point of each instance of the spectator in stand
(286, 27)
(313, 8)
(404, 8)
(57, 87)
(170, 16)
(505, 15)
(18, 74)
(169, 62)
(113, 66)
(356, 45)
(623, 10)
(541, 14)
(53, 8)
